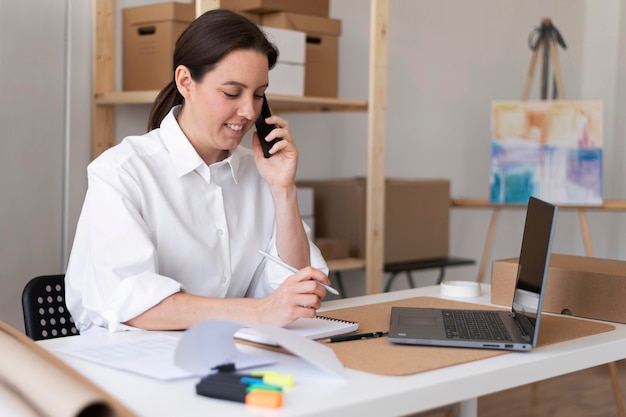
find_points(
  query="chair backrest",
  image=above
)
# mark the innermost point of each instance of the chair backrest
(45, 313)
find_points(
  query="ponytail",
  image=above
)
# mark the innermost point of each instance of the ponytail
(167, 98)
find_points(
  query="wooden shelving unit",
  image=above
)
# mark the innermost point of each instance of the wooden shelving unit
(105, 98)
(283, 104)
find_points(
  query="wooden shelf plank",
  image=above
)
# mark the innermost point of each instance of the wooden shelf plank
(278, 103)
(126, 97)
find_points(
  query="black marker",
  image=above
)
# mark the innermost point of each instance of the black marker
(357, 336)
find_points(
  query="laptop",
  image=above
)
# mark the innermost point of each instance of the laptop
(515, 330)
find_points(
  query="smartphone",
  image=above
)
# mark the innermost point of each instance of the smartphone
(264, 129)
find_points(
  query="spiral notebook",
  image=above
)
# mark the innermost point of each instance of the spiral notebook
(320, 327)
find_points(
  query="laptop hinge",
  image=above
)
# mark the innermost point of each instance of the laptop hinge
(526, 326)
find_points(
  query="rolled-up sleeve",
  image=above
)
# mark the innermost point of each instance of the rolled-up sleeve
(112, 275)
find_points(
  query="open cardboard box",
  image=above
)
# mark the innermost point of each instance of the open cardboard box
(581, 286)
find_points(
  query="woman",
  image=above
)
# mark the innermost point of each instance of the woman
(173, 220)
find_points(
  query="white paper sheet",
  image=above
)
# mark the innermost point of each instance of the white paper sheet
(204, 346)
(149, 354)
(211, 343)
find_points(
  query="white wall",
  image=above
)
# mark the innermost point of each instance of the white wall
(447, 61)
(34, 57)
(31, 81)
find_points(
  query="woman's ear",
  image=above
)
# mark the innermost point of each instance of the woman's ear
(183, 80)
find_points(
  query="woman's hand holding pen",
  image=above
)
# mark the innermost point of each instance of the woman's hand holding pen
(298, 296)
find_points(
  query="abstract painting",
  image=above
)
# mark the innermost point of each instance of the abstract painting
(551, 150)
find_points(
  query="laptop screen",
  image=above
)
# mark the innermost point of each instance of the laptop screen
(534, 258)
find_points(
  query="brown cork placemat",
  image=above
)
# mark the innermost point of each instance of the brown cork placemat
(379, 356)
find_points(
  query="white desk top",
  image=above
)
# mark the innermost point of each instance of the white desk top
(363, 393)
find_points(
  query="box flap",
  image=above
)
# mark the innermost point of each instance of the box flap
(184, 12)
(311, 25)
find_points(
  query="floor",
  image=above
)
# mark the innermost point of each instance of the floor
(585, 393)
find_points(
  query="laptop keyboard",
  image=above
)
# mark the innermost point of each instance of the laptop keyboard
(476, 325)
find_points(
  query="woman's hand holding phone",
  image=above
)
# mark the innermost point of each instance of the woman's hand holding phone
(263, 129)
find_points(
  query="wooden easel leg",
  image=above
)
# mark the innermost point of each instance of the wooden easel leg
(545, 69)
(531, 74)
(584, 229)
(557, 70)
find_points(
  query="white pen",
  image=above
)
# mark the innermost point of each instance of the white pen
(294, 270)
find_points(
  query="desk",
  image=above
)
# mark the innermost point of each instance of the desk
(364, 393)
(479, 203)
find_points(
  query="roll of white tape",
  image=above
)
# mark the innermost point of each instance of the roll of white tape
(460, 289)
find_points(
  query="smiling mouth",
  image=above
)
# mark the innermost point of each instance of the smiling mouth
(236, 128)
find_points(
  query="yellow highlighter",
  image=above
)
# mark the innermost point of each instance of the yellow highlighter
(275, 378)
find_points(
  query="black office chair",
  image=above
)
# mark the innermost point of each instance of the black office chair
(45, 313)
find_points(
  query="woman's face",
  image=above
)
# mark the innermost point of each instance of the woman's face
(223, 106)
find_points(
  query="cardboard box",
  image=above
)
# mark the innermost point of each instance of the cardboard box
(320, 79)
(149, 37)
(579, 285)
(416, 216)
(333, 248)
(312, 7)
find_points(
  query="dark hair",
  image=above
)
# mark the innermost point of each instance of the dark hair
(202, 45)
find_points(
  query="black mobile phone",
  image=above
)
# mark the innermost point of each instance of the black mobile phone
(264, 129)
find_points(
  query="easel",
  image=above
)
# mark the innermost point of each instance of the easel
(543, 39)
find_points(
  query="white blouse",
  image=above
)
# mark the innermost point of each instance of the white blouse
(157, 220)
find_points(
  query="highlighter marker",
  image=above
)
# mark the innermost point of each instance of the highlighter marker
(239, 393)
(264, 398)
(274, 378)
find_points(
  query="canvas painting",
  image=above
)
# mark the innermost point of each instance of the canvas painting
(551, 150)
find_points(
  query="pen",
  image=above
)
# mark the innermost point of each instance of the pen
(294, 270)
(357, 336)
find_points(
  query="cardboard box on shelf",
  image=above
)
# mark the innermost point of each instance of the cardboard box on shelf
(416, 216)
(333, 248)
(149, 37)
(322, 33)
(577, 285)
(312, 7)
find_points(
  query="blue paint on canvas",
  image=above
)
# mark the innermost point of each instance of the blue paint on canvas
(549, 150)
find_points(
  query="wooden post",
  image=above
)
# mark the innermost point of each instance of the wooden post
(377, 132)
(102, 119)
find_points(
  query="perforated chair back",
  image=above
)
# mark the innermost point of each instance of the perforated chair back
(45, 313)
